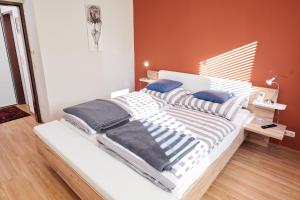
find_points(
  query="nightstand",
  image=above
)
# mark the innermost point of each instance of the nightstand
(263, 115)
(261, 136)
(144, 81)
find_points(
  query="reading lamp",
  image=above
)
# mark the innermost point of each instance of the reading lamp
(270, 82)
(146, 64)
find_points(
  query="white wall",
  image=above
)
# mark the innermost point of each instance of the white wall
(21, 52)
(7, 91)
(72, 74)
(36, 59)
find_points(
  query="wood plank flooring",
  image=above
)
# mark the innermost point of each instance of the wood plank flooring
(24, 174)
(254, 173)
(259, 173)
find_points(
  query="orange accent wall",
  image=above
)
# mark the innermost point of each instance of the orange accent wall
(178, 34)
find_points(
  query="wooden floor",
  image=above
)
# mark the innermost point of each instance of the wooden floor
(24, 174)
(253, 173)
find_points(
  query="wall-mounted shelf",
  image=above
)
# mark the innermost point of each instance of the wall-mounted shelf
(146, 80)
(275, 106)
(264, 115)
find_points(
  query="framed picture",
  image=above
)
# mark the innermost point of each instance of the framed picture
(94, 26)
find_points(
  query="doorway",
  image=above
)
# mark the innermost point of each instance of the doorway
(16, 71)
(13, 58)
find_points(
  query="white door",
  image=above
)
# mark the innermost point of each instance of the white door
(7, 91)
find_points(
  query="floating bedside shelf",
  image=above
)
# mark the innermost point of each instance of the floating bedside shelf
(264, 115)
(275, 106)
(147, 80)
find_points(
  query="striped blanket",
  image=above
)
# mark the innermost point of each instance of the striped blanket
(210, 130)
(139, 104)
(171, 97)
(158, 146)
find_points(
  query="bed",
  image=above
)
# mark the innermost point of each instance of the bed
(87, 169)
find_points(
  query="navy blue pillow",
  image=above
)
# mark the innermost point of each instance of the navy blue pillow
(164, 85)
(214, 96)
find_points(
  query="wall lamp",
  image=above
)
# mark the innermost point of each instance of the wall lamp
(270, 82)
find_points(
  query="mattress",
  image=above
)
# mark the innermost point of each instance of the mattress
(122, 182)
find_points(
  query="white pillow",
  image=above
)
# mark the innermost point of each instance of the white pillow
(171, 97)
(227, 110)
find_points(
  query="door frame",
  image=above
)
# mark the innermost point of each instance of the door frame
(36, 106)
(13, 57)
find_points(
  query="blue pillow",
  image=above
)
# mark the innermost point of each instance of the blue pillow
(214, 96)
(164, 85)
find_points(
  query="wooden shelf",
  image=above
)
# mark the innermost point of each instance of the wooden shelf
(275, 132)
(275, 106)
(147, 80)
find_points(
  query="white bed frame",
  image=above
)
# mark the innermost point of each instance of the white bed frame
(85, 191)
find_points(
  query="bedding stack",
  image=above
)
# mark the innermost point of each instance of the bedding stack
(152, 150)
(100, 115)
(159, 146)
(163, 132)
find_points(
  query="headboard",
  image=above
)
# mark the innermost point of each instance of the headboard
(194, 82)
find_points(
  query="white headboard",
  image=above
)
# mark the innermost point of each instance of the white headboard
(194, 82)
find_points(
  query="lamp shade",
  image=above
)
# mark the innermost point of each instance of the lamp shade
(270, 81)
(146, 64)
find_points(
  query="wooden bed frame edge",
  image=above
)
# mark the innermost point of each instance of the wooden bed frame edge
(85, 191)
(81, 187)
(198, 189)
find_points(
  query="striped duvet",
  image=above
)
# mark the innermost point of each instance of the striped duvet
(209, 129)
(171, 97)
(139, 104)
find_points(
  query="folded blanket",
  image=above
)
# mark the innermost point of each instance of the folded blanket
(158, 146)
(135, 163)
(100, 115)
(79, 123)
